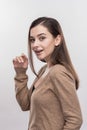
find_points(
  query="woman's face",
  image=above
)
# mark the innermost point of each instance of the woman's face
(42, 42)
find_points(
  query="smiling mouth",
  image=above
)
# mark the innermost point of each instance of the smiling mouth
(38, 52)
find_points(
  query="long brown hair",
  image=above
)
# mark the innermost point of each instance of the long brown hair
(60, 54)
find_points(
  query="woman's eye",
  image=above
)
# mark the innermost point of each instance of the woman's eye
(42, 38)
(32, 40)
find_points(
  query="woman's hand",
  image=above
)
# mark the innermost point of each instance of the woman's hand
(20, 61)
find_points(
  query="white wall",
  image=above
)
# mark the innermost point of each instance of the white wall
(15, 19)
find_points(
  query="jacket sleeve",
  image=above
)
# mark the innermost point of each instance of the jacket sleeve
(64, 86)
(23, 94)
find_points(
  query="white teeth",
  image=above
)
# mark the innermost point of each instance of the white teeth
(38, 50)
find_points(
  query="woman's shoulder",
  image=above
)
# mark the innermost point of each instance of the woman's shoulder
(60, 70)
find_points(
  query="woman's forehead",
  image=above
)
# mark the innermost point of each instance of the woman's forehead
(39, 29)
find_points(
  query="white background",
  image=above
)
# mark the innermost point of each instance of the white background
(15, 19)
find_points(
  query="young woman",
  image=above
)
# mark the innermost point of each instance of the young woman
(52, 98)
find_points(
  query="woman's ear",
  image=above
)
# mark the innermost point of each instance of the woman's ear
(57, 40)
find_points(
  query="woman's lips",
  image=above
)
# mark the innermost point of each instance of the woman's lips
(38, 52)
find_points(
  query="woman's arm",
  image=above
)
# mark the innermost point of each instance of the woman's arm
(64, 86)
(23, 94)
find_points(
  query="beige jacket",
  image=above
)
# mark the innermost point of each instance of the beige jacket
(53, 104)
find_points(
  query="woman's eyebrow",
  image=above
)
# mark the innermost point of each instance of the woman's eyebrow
(31, 37)
(41, 34)
(38, 35)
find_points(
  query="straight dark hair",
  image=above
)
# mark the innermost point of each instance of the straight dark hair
(60, 54)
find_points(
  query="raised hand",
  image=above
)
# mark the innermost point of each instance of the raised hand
(20, 61)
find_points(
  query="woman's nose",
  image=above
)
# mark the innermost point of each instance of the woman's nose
(36, 43)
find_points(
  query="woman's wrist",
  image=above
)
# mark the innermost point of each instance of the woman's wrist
(20, 70)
